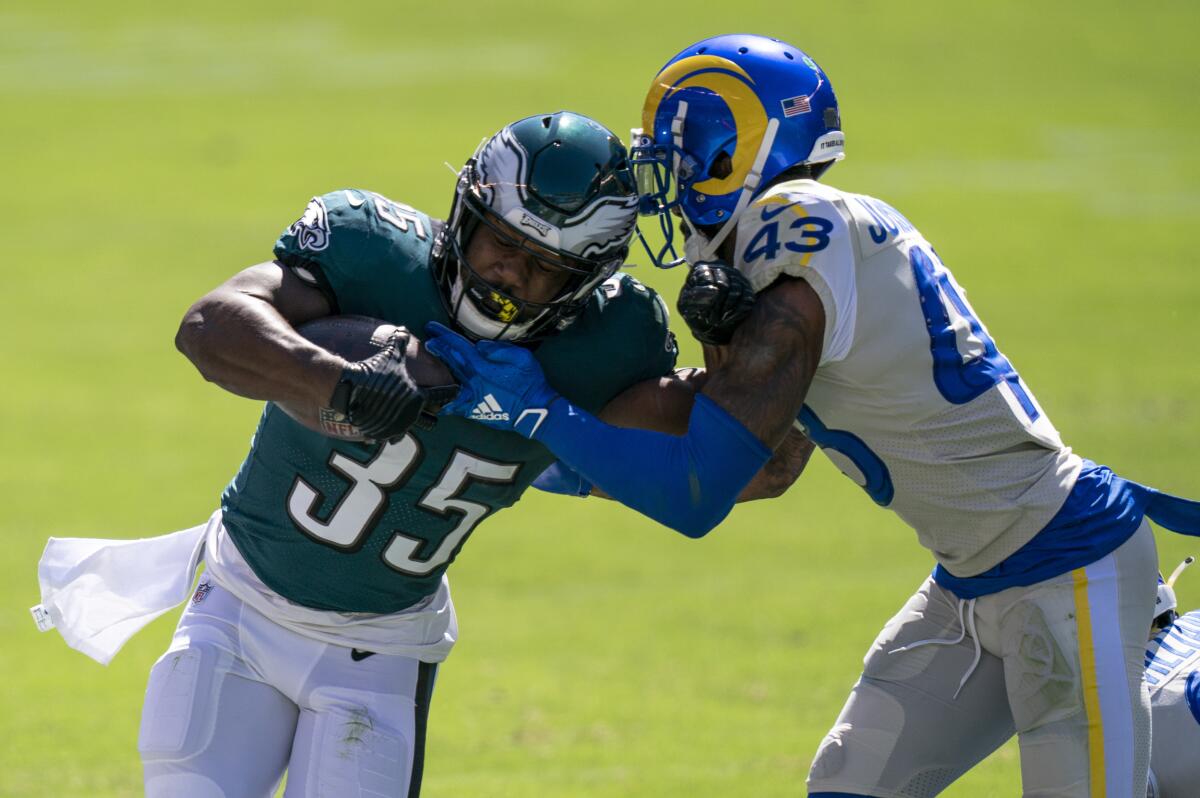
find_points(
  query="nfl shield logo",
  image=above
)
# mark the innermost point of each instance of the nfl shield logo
(202, 591)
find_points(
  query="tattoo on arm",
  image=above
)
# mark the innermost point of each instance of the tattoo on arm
(762, 376)
(782, 470)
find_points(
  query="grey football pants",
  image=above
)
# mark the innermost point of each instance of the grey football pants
(1059, 663)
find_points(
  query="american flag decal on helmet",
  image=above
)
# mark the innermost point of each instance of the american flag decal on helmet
(794, 106)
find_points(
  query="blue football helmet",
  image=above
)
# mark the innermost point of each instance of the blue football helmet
(750, 102)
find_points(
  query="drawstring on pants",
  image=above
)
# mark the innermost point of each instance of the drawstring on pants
(965, 621)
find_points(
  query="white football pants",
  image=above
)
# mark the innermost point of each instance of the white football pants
(238, 699)
(1059, 662)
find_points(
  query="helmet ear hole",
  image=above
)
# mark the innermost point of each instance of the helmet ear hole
(722, 165)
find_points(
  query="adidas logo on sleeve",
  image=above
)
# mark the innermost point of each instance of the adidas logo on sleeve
(489, 410)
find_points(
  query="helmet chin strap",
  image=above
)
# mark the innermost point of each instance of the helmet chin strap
(709, 250)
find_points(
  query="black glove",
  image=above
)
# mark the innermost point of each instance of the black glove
(377, 395)
(715, 299)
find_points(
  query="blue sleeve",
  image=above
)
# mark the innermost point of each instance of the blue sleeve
(687, 482)
(1171, 512)
(560, 478)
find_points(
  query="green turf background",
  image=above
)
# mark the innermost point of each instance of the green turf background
(152, 149)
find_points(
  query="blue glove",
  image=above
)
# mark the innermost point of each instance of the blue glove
(502, 385)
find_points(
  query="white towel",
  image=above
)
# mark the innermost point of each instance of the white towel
(99, 593)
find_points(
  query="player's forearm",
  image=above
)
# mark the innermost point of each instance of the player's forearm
(244, 345)
(782, 470)
(763, 375)
(665, 405)
(771, 481)
(661, 405)
(688, 482)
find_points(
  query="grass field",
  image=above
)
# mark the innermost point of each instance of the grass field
(151, 150)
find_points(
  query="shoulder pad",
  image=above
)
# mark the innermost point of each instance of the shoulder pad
(782, 231)
(877, 225)
(625, 300)
(344, 236)
(802, 229)
(314, 232)
(626, 289)
(350, 212)
(622, 337)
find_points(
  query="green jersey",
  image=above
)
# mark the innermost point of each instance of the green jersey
(356, 527)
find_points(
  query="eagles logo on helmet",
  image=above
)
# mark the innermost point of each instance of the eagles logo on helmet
(556, 186)
(722, 119)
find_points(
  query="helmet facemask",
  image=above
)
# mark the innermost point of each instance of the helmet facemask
(662, 172)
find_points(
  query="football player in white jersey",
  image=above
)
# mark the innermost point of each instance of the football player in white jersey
(831, 312)
(1173, 676)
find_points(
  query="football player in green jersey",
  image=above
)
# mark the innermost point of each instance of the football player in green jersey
(311, 646)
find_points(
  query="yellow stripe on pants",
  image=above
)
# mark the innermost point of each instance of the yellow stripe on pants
(1091, 695)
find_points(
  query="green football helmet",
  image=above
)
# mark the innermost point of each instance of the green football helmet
(559, 187)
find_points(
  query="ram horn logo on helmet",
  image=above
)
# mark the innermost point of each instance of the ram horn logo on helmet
(731, 83)
(722, 120)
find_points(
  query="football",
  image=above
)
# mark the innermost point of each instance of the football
(358, 338)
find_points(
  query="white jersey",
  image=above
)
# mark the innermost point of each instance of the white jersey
(1172, 666)
(912, 400)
